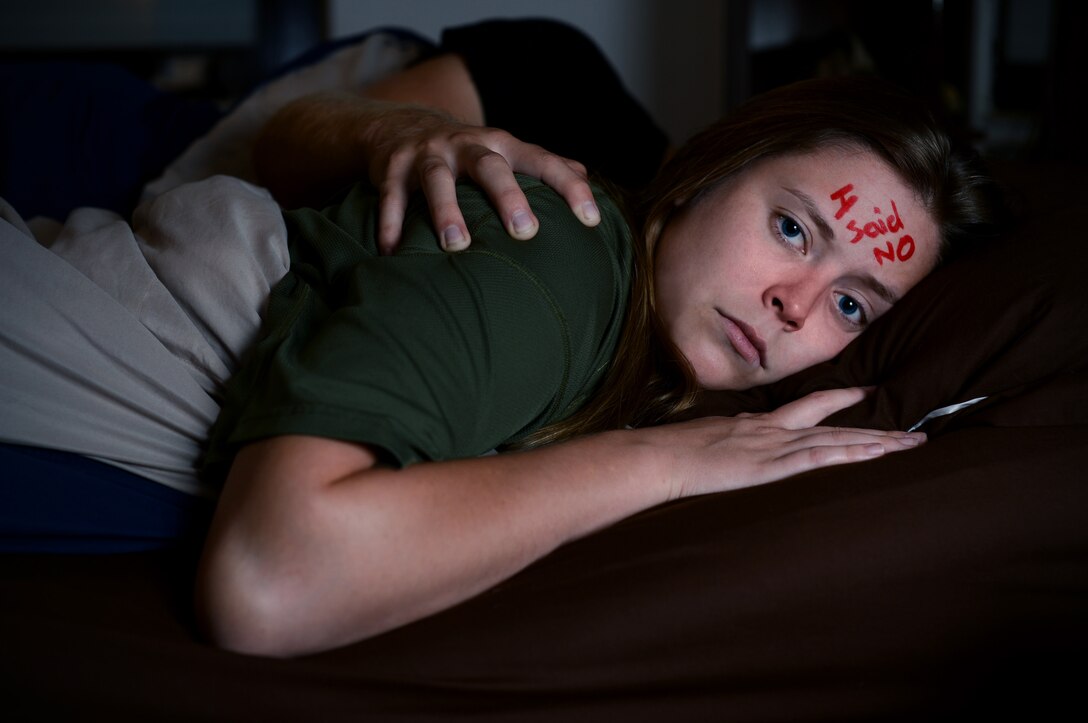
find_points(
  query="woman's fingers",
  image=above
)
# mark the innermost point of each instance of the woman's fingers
(714, 454)
(811, 458)
(827, 447)
(815, 447)
(810, 410)
(815, 438)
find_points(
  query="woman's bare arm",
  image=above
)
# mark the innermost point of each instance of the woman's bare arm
(419, 128)
(314, 545)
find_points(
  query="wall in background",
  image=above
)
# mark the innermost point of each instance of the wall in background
(669, 53)
(1005, 73)
(78, 24)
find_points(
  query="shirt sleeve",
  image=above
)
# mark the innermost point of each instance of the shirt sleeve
(428, 355)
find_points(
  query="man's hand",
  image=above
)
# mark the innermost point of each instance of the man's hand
(416, 148)
(419, 129)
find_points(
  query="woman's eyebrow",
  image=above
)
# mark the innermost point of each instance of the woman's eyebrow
(814, 213)
(878, 287)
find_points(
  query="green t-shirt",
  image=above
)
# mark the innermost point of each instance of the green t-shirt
(429, 355)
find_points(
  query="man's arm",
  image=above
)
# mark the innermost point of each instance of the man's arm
(420, 128)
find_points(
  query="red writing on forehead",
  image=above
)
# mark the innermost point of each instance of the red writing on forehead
(879, 226)
(845, 202)
(903, 251)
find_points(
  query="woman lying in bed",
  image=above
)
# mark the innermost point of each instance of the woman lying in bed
(355, 497)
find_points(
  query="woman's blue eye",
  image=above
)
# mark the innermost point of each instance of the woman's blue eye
(791, 230)
(850, 309)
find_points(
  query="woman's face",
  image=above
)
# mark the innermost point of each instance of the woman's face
(782, 266)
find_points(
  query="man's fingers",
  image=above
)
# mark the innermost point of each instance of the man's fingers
(491, 158)
(439, 183)
(578, 168)
(570, 179)
(393, 200)
(391, 207)
(495, 176)
(575, 189)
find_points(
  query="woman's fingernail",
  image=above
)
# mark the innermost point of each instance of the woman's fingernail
(874, 450)
(452, 239)
(522, 223)
(590, 213)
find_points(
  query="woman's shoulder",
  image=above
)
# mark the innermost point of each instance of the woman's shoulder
(579, 266)
(561, 237)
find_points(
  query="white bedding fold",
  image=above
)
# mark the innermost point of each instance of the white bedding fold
(116, 341)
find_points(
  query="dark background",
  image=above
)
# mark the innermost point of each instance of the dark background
(1004, 73)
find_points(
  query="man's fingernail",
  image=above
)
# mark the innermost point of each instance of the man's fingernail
(452, 239)
(590, 213)
(522, 223)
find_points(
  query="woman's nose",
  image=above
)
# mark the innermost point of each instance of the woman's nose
(793, 303)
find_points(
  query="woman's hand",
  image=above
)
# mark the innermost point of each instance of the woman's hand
(715, 454)
(418, 148)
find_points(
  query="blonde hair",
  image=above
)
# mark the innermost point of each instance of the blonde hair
(649, 381)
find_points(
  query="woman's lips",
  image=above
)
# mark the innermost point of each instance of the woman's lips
(746, 342)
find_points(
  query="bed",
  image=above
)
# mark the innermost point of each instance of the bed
(946, 581)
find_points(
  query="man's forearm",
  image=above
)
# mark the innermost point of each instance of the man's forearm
(319, 143)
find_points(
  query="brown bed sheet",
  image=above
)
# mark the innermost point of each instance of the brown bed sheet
(902, 588)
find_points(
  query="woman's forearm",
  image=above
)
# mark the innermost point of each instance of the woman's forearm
(314, 545)
(296, 565)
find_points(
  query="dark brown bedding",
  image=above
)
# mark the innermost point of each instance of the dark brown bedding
(919, 586)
